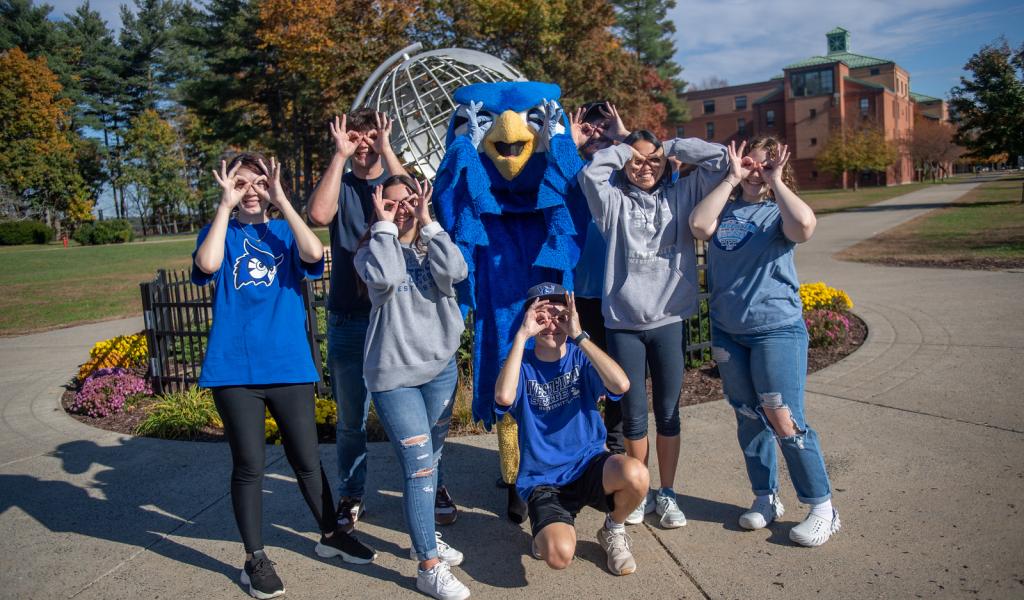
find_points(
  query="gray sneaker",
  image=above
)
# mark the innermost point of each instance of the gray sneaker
(445, 552)
(617, 545)
(646, 507)
(441, 583)
(762, 512)
(814, 530)
(668, 509)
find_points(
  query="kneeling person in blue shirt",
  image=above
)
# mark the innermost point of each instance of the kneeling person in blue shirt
(552, 393)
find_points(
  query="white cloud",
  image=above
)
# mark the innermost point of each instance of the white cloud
(751, 40)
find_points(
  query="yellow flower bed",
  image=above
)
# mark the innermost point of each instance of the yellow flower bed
(819, 295)
(122, 351)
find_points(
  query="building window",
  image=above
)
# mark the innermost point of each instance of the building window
(710, 131)
(741, 102)
(814, 112)
(814, 141)
(709, 107)
(814, 174)
(875, 71)
(769, 118)
(865, 104)
(741, 125)
(811, 83)
(679, 131)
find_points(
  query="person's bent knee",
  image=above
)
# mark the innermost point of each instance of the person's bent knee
(636, 474)
(559, 555)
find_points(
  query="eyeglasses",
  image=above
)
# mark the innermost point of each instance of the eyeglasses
(654, 162)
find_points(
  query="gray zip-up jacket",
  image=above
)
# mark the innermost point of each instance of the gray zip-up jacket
(651, 275)
(415, 321)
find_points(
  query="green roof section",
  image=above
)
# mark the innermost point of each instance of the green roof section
(870, 84)
(854, 61)
(923, 98)
(836, 30)
(772, 95)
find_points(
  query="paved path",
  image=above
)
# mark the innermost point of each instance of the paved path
(923, 431)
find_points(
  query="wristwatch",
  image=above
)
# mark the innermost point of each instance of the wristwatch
(582, 336)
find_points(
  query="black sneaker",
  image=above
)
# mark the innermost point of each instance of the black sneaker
(350, 510)
(260, 576)
(346, 546)
(445, 511)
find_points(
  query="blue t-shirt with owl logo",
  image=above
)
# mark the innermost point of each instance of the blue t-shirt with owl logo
(258, 335)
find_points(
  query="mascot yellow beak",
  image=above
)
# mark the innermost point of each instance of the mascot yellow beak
(509, 144)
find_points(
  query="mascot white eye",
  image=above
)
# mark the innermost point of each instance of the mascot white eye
(535, 118)
(257, 270)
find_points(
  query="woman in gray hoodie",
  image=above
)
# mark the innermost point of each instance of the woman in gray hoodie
(650, 284)
(410, 267)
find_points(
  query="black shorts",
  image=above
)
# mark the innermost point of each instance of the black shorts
(550, 504)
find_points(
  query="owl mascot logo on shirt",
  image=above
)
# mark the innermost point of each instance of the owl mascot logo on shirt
(256, 267)
(507, 192)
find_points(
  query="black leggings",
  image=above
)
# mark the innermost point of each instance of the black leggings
(661, 350)
(242, 410)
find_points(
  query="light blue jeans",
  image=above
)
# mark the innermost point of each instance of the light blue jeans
(346, 336)
(768, 370)
(416, 420)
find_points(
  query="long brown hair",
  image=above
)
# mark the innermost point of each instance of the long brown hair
(410, 185)
(771, 146)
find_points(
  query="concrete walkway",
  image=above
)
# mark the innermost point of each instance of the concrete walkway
(923, 430)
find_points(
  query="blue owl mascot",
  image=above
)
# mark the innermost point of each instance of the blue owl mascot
(507, 192)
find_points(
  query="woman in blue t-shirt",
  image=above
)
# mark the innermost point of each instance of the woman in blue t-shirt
(258, 357)
(759, 338)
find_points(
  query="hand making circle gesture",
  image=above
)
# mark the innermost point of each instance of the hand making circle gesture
(535, 319)
(233, 188)
(272, 174)
(774, 167)
(740, 166)
(421, 206)
(386, 209)
(382, 142)
(345, 141)
(616, 129)
(569, 319)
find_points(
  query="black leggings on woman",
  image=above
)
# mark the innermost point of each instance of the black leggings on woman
(242, 410)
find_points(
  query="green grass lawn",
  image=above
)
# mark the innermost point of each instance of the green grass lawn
(982, 230)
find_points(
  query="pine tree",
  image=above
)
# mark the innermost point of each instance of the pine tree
(646, 31)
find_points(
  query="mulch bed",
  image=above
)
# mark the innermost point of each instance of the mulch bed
(699, 385)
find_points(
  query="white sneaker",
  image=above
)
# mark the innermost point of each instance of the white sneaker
(762, 512)
(616, 545)
(646, 507)
(671, 516)
(815, 530)
(445, 552)
(440, 583)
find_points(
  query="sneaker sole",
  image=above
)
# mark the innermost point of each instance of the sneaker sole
(324, 551)
(815, 541)
(455, 597)
(255, 593)
(672, 525)
(626, 571)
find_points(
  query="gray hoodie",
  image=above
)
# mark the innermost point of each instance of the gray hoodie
(415, 321)
(651, 274)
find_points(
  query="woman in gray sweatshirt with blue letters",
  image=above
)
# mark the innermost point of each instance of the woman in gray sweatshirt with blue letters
(650, 284)
(410, 267)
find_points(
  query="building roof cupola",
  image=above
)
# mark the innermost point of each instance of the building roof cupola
(838, 41)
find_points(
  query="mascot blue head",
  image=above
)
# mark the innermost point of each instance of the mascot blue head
(508, 121)
(256, 266)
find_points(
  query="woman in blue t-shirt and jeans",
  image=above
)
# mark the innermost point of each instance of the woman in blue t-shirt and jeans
(759, 338)
(258, 357)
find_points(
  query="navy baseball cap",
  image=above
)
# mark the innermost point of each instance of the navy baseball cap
(546, 291)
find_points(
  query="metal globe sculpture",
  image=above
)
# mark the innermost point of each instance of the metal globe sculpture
(415, 89)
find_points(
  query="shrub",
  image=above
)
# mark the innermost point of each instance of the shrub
(181, 415)
(16, 233)
(126, 351)
(112, 231)
(818, 295)
(826, 327)
(326, 420)
(109, 391)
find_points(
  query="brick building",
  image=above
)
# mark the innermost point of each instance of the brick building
(811, 99)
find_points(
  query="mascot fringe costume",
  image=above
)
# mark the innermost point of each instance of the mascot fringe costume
(507, 192)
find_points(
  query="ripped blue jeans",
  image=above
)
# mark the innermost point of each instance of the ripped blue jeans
(416, 420)
(767, 371)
